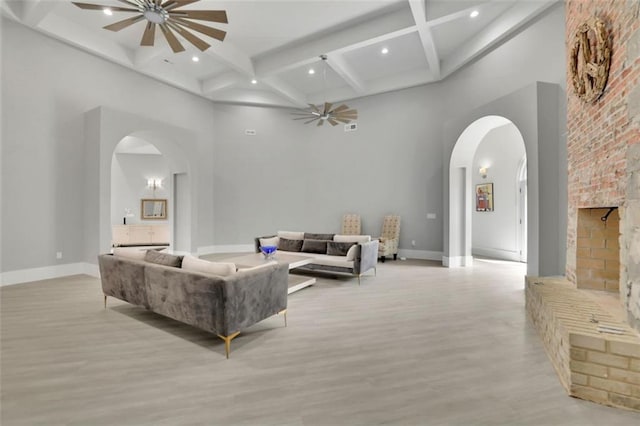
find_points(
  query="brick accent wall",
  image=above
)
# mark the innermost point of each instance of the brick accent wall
(598, 252)
(603, 141)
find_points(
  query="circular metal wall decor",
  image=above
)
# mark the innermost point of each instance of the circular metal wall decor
(590, 60)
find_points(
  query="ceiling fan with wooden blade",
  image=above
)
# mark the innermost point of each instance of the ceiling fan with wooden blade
(326, 112)
(166, 15)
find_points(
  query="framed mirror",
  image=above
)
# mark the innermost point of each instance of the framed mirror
(153, 208)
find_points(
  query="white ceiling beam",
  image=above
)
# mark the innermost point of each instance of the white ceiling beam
(34, 11)
(220, 82)
(232, 56)
(340, 66)
(291, 94)
(418, 10)
(504, 27)
(307, 52)
(464, 13)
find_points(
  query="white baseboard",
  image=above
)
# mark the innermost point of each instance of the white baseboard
(237, 248)
(457, 261)
(420, 254)
(496, 253)
(48, 272)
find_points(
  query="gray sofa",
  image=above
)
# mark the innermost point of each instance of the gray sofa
(362, 258)
(223, 305)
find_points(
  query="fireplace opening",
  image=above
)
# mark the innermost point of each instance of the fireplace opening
(598, 249)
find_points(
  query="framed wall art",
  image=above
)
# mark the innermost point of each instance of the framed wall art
(484, 197)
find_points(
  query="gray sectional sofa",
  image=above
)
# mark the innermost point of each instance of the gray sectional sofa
(223, 305)
(334, 253)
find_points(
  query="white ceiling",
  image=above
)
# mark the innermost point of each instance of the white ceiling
(276, 42)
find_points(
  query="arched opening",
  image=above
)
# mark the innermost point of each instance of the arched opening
(484, 192)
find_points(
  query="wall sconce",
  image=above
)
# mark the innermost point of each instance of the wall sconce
(483, 172)
(154, 184)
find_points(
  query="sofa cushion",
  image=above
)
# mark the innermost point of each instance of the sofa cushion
(338, 249)
(310, 236)
(163, 258)
(314, 246)
(326, 260)
(192, 263)
(291, 235)
(130, 253)
(285, 244)
(351, 254)
(272, 241)
(352, 238)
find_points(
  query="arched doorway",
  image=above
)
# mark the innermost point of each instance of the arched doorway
(497, 234)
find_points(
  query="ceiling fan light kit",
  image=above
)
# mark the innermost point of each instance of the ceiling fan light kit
(166, 15)
(326, 112)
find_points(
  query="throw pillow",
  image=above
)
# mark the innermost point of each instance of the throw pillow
(310, 236)
(286, 244)
(129, 253)
(338, 249)
(291, 235)
(192, 263)
(165, 259)
(271, 241)
(314, 246)
(351, 254)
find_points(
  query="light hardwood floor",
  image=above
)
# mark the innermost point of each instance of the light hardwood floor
(417, 345)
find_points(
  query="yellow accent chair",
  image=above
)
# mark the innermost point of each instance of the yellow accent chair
(389, 237)
(351, 224)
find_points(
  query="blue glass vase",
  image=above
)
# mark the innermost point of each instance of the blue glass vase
(268, 251)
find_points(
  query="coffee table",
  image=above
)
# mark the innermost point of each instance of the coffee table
(296, 282)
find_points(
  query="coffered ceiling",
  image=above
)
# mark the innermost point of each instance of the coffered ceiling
(277, 42)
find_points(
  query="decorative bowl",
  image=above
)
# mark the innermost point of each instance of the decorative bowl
(268, 251)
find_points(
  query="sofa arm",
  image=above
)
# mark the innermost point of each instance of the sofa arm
(253, 295)
(368, 257)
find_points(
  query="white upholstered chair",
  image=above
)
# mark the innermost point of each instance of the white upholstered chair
(389, 237)
(351, 224)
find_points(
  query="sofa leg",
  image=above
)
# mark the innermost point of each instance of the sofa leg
(383, 258)
(375, 272)
(395, 256)
(359, 275)
(227, 342)
(105, 301)
(284, 312)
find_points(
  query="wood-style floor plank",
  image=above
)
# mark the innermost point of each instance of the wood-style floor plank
(417, 344)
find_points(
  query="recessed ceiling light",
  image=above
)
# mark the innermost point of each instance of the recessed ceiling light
(195, 59)
(384, 51)
(474, 14)
(312, 71)
(254, 81)
(107, 11)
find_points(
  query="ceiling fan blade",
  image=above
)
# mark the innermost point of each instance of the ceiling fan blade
(332, 121)
(197, 42)
(312, 120)
(320, 122)
(314, 108)
(136, 3)
(176, 46)
(101, 7)
(340, 108)
(327, 107)
(342, 120)
(308, 117)
(124, 24)
(201, 15)
(172, 4)
(149, 35)
(211, 32)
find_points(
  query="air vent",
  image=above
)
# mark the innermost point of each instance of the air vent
(351, 127)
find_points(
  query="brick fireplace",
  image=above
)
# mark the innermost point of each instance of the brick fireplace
(594, 348)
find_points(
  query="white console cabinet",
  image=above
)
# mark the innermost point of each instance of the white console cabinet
(142, 235)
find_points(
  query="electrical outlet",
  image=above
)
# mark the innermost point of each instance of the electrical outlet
(413, 243)
(59, 255)
(431, 215)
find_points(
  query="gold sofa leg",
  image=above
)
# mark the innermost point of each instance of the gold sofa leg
(227, 341)
(284, 312)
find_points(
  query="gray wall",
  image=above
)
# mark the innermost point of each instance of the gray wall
(47, 87)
